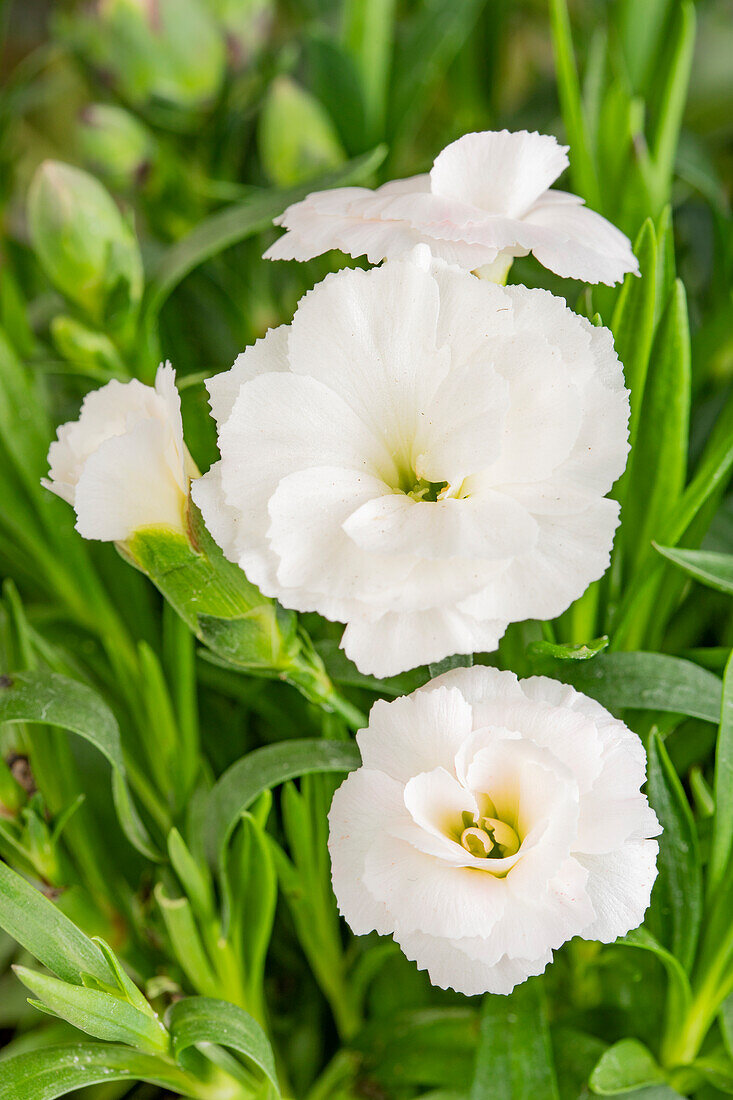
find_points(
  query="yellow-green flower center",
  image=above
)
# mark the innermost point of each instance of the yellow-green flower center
(488, 837)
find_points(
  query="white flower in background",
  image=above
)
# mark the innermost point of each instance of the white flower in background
(485, 201)
(493, 819)
(123, 464)
(421, 455)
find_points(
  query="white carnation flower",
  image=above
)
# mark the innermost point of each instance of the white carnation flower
(493, 819)
(123, 464)
(422, 455)
(485, 201)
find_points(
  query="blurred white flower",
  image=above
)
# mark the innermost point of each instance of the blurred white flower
(422, 455)
(123, 464)
(485, 201)
(492, 820)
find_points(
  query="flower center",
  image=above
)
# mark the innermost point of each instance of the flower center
(426, 490)
(488, 837)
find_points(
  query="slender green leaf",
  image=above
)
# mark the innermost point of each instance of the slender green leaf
(582, 167)
(435, 35)
(47, 1073)
(659, 461)
(674, 96)
(40, 696)
(644, 681)
(633, 321)
(625, 1066)
(581, 651)
(203, 1020)
(368, 33)
(228, 227)
(262, 769)
(677, 898)
(97, 1013)
(706, 566)
(680, 991)
(514, 1058)
(44, 931)
(722, 841)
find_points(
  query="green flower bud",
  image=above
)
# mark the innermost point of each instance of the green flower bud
(84, 244)
(246, 25)
(297, 139)
(116, 146)
(163, 56)
(241, 627)
(85, 347)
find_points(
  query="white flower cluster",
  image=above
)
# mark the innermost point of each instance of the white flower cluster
(424, 456)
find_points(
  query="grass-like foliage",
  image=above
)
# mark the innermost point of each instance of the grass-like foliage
(167, 761)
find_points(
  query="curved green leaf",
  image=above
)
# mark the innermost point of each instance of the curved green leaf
(204, 1020)
(677, 897)
(36, 924)
(625, 1066)
(41, 696)
(705, 566)
(57, 1071)
(679, 983)
(96, 1012)
(514, 1059)
(267, 767)
(645, 681)
(722, 840)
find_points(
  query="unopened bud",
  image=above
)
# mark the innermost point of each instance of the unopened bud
(246, 25)
(166, 57)
(116, 146)
(297, 138)
(83, 242)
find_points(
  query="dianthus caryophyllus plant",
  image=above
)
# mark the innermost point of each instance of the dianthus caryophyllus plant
(486, 200)
(492, 820)
(422, 455)
(123, 464)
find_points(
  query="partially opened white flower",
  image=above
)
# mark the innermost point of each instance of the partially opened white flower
(493, 819)
(422, 455)
(123, 464)
(485, 201)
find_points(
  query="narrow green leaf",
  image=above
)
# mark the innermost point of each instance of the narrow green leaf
(262, 769)
(228, 227)
(204, 1020)
(582, 167)
(659, 462)
(679, 985)
(368, 33)
(186, 942)
(644, 681)
(99, 1014)
(677, 897)
(625, 1066)
(434, 36)
(514, 1057)
(674, 96)
(44, 931)
(580, 651)
(58, 1070)
(633, 321)
(39, 696)
(194, 880)
(706, 566)
(722, 840)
